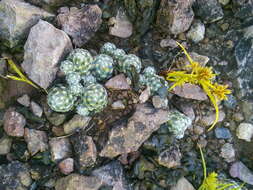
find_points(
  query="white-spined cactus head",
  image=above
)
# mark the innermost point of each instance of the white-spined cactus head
(108, 48)
(73, 78)
(149, 71)
(155, 82)
(67, 67)
(130, 61)
(60, 99)
(82, 60)
(82, 110)
(76, 89)
(119, 55)
(88, 79)
(95, 98)
(103, 67)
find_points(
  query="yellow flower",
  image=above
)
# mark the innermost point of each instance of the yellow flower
(202, 76)
(221, 91)
(204, 73)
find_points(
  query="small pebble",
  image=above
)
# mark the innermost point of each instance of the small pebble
(245, 131)
(66, 166)
(36, 109)
(24, 100)
(118, 105)
(222, 133)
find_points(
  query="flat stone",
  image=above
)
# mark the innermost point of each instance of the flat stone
(16, 19)
(128, 138)
(222, 133)
(60, 148)
(78, 182)
(119, 82)
(78, 122)
(14, 123)
(170, 158)
(36, 140)
(80, 24)
(239, 170)
(175, 16)
(121, 26)
(183, 184)
(85, 151)
(5, 145)
(208, 10)
(228, 152)
(42, 54)
(66, 166)
(24, 100)
(190, 91)
(36, 109)
(245, 131)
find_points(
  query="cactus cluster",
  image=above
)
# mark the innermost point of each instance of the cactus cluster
(83, 74)
(153, 81)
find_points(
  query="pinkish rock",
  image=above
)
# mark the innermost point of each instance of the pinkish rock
(60, 148)
(80, 24)
(190, 91)
(66, 166)
(36, 141)
(119, 82)
(14, 123)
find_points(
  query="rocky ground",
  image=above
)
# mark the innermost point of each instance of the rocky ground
(128, 146)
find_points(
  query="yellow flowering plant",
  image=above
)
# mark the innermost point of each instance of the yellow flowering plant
(211, 182)
(202, 76)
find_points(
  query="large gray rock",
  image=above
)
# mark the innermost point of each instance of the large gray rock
(175, 16)
(80, 24)
(45, 47)
(244, 58)
(239, 170)
(208, 10)
(113, 175)
(128, 138)
(78, 182)
(16, 19)
(15, 176)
